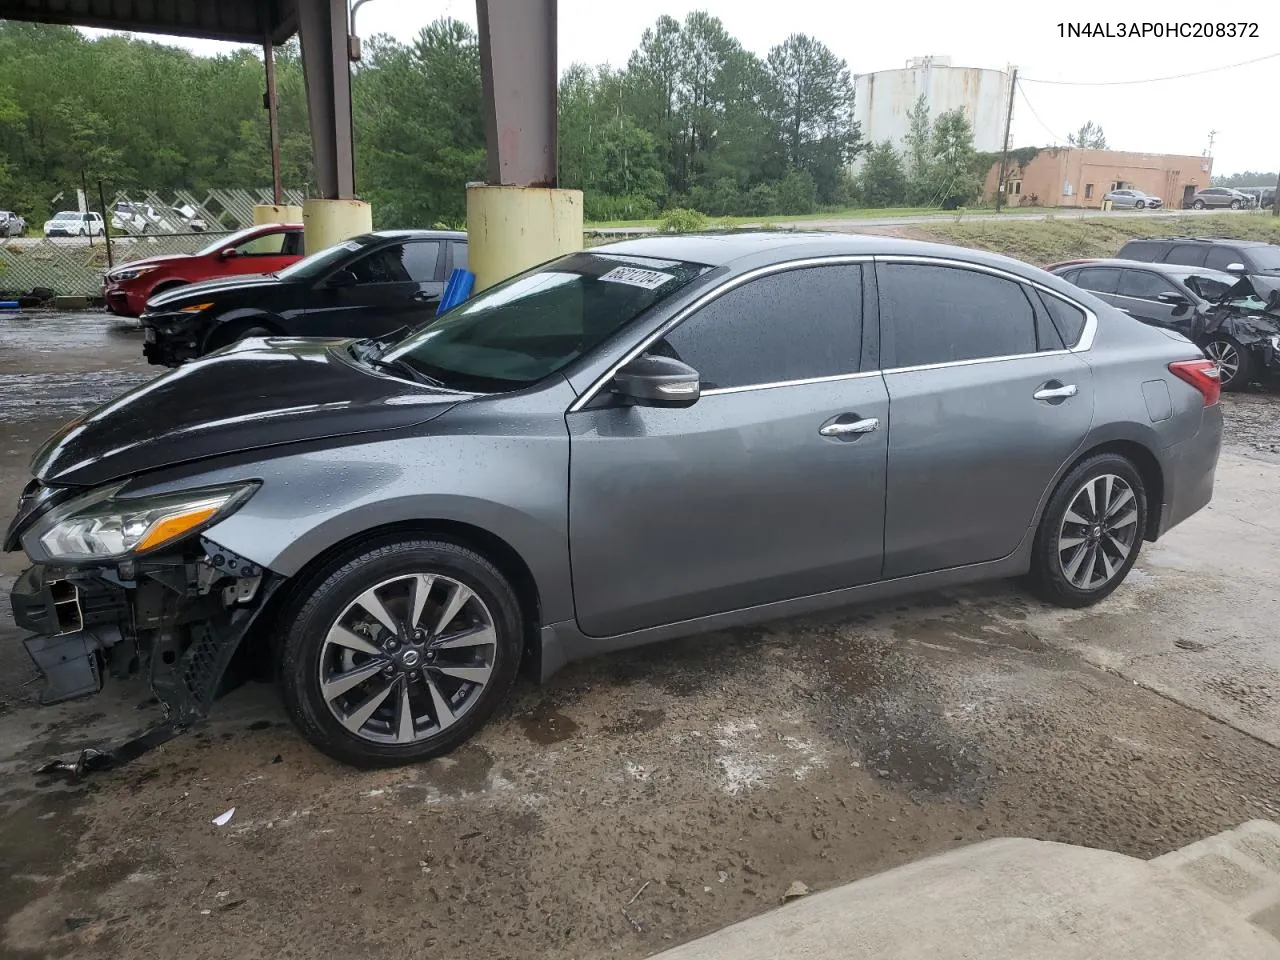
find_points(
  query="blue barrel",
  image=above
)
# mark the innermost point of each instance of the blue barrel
(8, 304)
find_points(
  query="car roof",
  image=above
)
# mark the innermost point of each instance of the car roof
(1234, 243)
(1173, 269)
(759, 248)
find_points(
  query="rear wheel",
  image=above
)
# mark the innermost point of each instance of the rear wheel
(1231, 359)
(1197, 204)
(1091, 532)
(400, 653)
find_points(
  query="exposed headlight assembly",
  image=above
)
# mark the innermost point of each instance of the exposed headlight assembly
(100, 526)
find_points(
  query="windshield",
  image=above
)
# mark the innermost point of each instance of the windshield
(318, 264)
(1265, 258)
(539, 322)
(228, 240)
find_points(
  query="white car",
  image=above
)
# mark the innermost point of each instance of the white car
(73, 223)
(1133, 198)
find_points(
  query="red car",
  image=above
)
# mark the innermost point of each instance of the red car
(262, 249)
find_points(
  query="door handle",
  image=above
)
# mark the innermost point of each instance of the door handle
(850, 429)
(1060, 392)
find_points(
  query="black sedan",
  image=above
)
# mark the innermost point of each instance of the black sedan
(367, 286)
(1235, 320)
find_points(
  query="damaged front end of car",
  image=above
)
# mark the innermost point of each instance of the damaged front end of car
(130, 587)
(1249, 313)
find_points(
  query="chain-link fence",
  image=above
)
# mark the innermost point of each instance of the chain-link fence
(140, 223)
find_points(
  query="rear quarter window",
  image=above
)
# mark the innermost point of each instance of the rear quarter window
(1068, 319)
(1145, 250)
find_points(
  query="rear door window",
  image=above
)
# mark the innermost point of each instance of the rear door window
(937, 314)
(796, 325)
(1098, 279)
(421, 258)
(1187, 254)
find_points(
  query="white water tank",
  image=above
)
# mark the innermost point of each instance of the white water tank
(883, 99)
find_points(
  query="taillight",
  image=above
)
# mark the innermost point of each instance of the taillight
(1201, 374)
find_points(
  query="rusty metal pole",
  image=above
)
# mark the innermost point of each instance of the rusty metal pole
(273, 122)
(1275, 201)
(106, 224)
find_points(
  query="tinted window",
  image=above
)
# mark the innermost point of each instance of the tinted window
(1219, 258)
(521, 330)
(1139, 250)
(943, 314)
(786, 326)
(293, 243)
(1098, 279)
(459, 255)
(385, 265)
(1144, 285)
(1068, 319)
(1190, 254)
(420, 260)
(270, 245)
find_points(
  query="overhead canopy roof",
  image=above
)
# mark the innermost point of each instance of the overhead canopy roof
(241, 21)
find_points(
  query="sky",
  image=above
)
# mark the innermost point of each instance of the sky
(1176, 116)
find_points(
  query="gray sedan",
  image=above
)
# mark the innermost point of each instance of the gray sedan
(637, 442)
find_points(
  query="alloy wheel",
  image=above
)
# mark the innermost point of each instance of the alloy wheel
(1098, 531)
(1226, 358)
(407, 658)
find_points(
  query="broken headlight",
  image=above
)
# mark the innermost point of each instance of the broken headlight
(100, 526)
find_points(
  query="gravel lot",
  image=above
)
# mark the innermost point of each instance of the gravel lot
(647, 798)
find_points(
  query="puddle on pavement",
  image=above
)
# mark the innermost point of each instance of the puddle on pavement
(465, 772)
(545, 725)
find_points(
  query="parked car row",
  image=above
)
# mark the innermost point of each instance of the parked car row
(1223, 295)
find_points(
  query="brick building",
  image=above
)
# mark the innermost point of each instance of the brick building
(1073, 177)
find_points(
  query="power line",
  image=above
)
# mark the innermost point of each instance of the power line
(1125, 83)
(1046, 127)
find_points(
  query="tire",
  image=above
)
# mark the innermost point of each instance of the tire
(1064, 575)
(1235, 204)
(1197, 204)
(1234, 363)
(1140, 205)
(445, 710)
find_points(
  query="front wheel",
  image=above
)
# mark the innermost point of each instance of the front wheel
(1235, 204)
(1140, 205)
(400, 653)
(1231, 360)
(1091, 532)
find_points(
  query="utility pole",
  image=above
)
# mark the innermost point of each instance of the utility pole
(1004, 153)
(273, 122)
(1275, 201)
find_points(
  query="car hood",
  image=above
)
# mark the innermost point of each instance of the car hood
(260, 393)
(193, 292)
(150, 262)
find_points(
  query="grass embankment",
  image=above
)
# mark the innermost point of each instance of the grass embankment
(1048, 241)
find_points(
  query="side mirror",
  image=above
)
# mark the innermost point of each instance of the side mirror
(658, 382)
(1235, 268)
(229, 252)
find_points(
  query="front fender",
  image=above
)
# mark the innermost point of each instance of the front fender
(512, 484)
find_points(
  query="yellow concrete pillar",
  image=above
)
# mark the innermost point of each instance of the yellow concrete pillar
(510, 229)
(326, 222)
(270, 213)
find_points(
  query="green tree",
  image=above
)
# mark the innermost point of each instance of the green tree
(952, 168)
(1089, 136)
(882, 181)
(813, 110)
(919, 152)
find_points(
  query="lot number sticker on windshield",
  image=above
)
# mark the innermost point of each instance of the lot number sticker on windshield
(633, 276)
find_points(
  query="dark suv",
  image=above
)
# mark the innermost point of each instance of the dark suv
(1249, 257)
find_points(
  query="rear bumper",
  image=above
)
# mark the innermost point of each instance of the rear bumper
(1189, 469)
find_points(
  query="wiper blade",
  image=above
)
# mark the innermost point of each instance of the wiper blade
(406, 370)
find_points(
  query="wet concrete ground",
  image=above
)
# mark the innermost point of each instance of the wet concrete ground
(643, 799)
